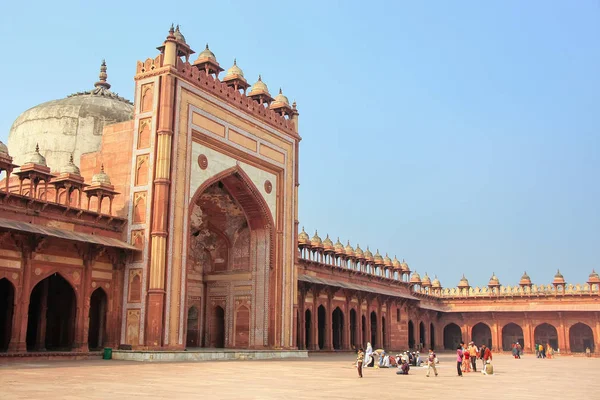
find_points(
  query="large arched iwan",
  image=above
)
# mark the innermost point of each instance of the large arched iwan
(257, 212)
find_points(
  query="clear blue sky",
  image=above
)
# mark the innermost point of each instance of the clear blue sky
(461, 136)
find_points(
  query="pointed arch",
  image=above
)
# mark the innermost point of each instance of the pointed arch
(261, 258)
(97, 319)
(259, 211)
(52, 314)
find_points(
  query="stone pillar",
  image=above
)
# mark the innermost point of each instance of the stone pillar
(380, 324)
(301, 320)
(466, 332)
(346, 335)
(529, 338)
(40, 339)
(159, 214)
(496, 336)
(368, 322)
(359, 335)
(425, 340)
(82, 324)
(563, 338)
(314, 345)
(20, 345)
(329, 322)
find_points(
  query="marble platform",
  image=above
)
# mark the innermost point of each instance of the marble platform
(202, 354)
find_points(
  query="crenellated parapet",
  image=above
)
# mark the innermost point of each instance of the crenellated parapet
(204, 74)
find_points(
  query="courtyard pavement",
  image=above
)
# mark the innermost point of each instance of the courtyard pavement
(321, 376)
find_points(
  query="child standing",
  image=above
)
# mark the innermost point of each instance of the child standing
(431, 362)
(359, 361)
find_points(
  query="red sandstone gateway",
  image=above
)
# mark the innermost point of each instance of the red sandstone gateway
(171, 223)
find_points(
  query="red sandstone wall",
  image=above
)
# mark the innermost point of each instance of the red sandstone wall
(115, 153)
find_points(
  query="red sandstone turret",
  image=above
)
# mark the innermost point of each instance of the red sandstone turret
(36, 171)
(207, 62)
(525, 281)
(6, 164)
(260, 92)
(235, 78)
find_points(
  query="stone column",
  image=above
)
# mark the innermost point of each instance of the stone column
(82, 324)
(329, 322)
(496, 336)
(359, 336)
(379, 324)
(20, 345)
(314, 345)
(563, 339)
(159, 214)
(529, 337)
(368, 322)
(346, 335)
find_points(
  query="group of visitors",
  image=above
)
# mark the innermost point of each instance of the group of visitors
(517, 350)
(466, 358)
(543, 352)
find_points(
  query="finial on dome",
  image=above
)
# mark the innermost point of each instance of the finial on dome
(235, 61)
(102, 83)
(102, 168)
(280, 92)
(37, 148)
(172, 29)
(71, 158)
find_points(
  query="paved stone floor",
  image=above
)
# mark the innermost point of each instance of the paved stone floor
(321, 376)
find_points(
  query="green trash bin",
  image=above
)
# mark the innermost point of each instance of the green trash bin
(107, 353)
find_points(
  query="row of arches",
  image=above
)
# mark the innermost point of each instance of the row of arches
(412, 344)
(51, 316)
(580, 336)
(341, 341)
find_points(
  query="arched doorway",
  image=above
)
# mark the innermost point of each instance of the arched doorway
(482, 334)
(307, 329)
(353, 329)
(217, 328)
(231, 233)
(321, 318)
(452, 336)
(97, 319)
(421, 335)
(512, 333)
(581, 337)
(373, 329)
(51, 315)
(545, 334)
(431, 336)
(364, 329)
(338, 328)
(411, 335)
(193, 328)
(7, 303)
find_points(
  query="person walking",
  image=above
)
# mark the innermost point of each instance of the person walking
(359, 361)
(473, 353)
(459, 360)
(487, 356)
(431, 363)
